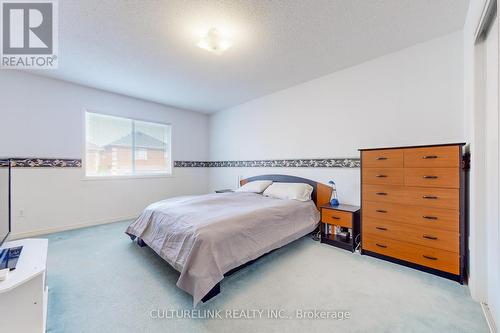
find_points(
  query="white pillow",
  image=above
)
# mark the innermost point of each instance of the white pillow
(257, 186)
(290, 191)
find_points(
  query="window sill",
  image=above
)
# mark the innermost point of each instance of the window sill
(166, 175)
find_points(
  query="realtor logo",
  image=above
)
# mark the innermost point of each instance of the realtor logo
(29, 34)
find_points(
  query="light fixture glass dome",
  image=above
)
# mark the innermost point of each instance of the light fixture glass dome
(214, 41)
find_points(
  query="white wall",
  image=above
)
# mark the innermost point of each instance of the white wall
(484, 237)
(414, 96)
(41, 117)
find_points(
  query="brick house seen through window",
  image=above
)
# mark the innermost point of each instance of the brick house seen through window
(119, 146)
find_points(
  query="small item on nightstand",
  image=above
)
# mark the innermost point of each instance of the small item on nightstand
(336, 230)
(344, 234)
(334, 200)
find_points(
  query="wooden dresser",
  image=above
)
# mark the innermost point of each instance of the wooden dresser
(412, 211)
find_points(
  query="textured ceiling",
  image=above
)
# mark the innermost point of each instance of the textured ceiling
(147, 49)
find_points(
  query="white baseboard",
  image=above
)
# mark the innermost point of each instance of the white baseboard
(68, 227)
(489, 317)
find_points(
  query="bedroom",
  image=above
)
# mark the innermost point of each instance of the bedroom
(210, 131)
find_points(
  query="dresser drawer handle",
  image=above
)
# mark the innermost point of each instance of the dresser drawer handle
(380, 245)
(381, 193)
(381, 211)
(381, 158)
(335, 217)
(430, 217)
(429, 257)
(430, 237)
(381, 176)
(430, 197)
(430, 177)
(428, 157)
(381, 228)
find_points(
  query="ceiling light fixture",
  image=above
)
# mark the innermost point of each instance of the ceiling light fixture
(215, 41)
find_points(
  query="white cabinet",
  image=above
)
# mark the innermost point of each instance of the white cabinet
(23, 295)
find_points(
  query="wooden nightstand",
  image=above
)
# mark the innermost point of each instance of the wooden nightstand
(344, 216)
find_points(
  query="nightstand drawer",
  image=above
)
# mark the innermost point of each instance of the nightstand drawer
(432, 177)
(383, 158)
(435, 238)
(422, 255)
(383, 176)
(432, 157)
(340, 218)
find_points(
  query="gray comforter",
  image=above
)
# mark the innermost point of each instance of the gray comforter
(205, 236)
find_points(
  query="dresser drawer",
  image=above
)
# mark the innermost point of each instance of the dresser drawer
(432, 157)
(428, 217)
(383, 193)
(337, 217)
(432, 177)
(447, 198)
(383, 176)
(435, 238)
(383, 158)
(438, 259)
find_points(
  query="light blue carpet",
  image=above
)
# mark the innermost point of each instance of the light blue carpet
(99, 281)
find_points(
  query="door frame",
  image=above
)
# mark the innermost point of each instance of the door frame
(481, 207)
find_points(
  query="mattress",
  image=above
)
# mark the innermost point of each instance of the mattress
(205, 236)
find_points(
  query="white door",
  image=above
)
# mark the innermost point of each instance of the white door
(492, 127)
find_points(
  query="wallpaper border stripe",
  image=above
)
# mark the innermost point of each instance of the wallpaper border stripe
(286, 163)
(283, 163)
(41, 163)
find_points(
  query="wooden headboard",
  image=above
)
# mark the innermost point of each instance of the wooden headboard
(321, 192)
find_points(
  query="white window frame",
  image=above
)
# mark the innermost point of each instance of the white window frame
(135, 175)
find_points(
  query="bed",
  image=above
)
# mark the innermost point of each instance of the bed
(207, 237)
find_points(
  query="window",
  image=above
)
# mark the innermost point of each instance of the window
(141, 154)
(117, 146)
